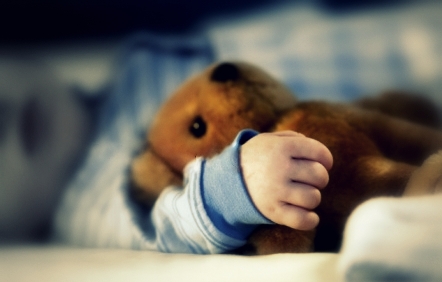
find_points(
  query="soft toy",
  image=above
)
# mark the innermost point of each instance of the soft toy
(374, 153)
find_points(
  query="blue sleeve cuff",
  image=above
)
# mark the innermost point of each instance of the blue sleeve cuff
(226, 199)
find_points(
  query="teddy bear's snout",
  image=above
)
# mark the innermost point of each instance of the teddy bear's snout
(225, 72)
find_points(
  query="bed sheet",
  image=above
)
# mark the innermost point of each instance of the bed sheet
(57, 263)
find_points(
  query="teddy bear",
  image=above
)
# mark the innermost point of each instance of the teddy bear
(375, 149)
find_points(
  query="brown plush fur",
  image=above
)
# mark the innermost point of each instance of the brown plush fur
(374, 153)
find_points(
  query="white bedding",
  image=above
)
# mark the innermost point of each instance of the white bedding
(394, 239)
(58, 263)
(385, 239)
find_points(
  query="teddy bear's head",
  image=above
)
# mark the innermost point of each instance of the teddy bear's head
(202, 117)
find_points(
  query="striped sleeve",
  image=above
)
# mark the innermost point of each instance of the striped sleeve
(213, 212)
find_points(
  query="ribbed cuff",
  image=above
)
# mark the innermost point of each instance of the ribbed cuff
(226, 199)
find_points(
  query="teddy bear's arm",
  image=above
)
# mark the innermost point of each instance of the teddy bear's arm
(150, 175)
(413, 107)
(398, 139)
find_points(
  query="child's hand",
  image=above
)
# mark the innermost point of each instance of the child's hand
(283, 172)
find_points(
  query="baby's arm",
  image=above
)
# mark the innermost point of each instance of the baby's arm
(219, 208)
(283, 172)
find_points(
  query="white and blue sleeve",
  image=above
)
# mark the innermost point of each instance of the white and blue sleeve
(213, 213)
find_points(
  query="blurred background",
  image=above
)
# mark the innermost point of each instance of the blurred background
(58, 59)
(28, 21)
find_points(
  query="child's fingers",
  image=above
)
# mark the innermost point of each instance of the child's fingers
(308, 172)
(298, 146)
(301, 195)
(310, 149)
(297, 217)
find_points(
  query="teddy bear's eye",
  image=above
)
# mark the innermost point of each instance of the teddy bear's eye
(198, 127)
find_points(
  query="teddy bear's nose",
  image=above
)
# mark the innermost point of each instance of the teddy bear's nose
(225, 72)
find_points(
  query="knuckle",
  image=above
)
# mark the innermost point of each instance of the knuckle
(327, 158)
(309, 221)
(300, 219)
(312, 198)
(316, 199)
(321, 175)
(299, 222)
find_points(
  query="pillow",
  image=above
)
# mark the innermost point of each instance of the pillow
(339, 57)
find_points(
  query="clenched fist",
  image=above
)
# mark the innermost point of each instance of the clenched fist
(284, 172)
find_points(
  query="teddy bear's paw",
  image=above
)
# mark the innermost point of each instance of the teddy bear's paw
(150, 176)
(273, 239)
(427, 179)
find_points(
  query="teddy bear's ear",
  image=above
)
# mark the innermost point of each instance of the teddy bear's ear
(225, 72)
